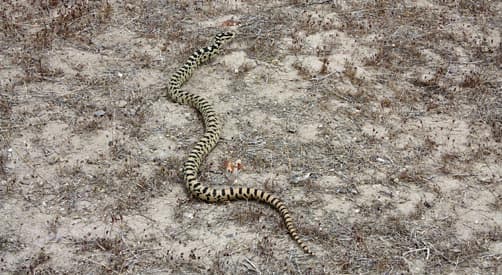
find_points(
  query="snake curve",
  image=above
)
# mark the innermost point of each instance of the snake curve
(211, 136)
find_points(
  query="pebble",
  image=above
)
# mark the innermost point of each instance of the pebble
(99, 113)
(121, 103)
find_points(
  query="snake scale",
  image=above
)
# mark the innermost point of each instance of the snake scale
(211, 137)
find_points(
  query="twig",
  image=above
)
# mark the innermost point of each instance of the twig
(251, 266)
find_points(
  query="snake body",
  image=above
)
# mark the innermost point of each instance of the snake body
(211, 136)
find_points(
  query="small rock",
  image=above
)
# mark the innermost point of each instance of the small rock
(121, 103)
(300, 178)
(53, 159)
(99, 113)
(291, 129)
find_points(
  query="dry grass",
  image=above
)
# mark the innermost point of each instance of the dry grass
(391, 108)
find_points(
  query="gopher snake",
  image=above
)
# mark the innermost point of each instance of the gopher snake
(211, 137)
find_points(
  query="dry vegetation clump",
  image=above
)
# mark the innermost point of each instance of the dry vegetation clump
(379, 123)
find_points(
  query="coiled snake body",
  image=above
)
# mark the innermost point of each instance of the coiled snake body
(211, 137)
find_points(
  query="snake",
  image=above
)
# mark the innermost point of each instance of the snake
(211, 137)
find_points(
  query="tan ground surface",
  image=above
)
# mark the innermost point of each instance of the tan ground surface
(378, 122)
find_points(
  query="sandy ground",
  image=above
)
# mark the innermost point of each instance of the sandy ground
(378, 122)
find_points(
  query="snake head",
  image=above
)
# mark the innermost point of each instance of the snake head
(224, 37)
